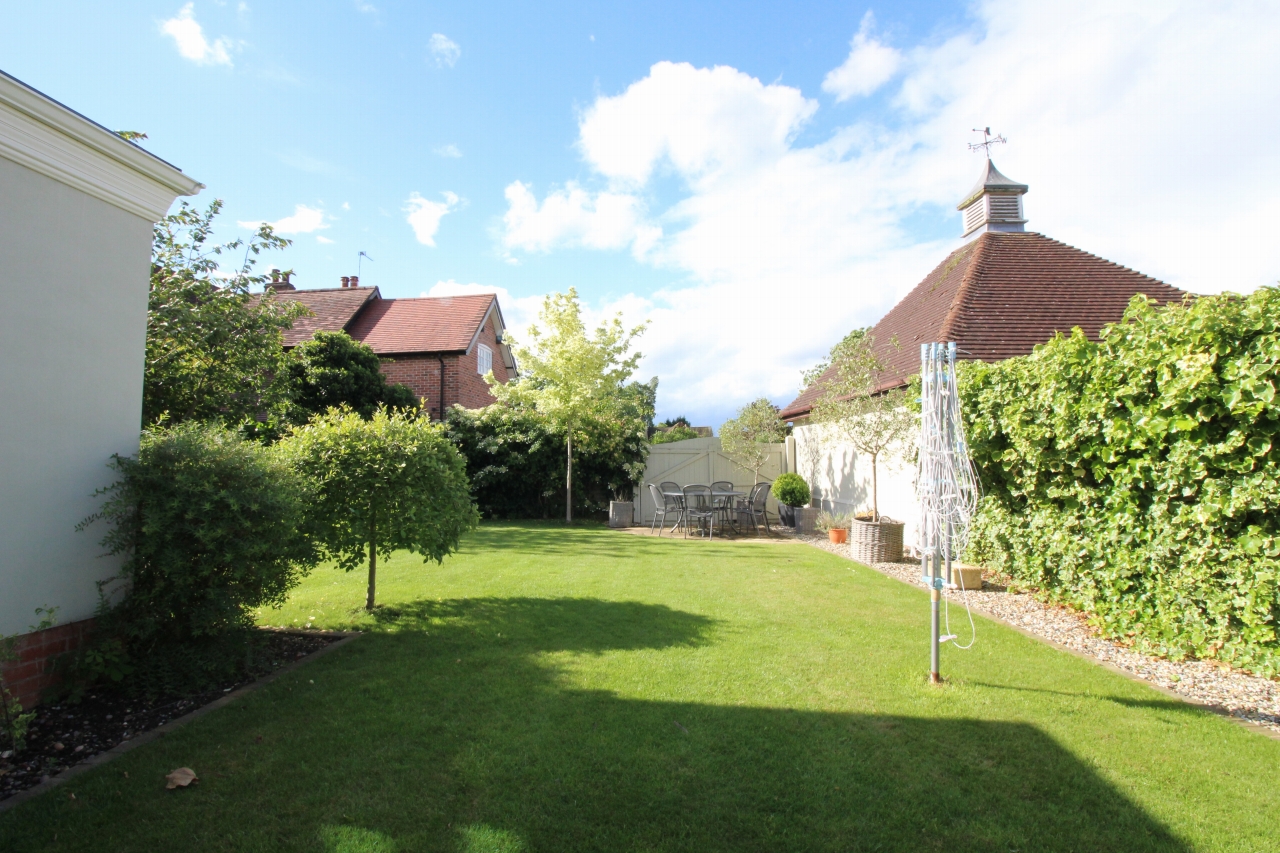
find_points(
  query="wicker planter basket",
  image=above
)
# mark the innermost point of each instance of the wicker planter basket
(872, 542)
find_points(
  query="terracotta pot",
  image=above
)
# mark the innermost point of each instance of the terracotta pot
(838, 535)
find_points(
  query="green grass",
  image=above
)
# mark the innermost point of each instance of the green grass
(559, 690)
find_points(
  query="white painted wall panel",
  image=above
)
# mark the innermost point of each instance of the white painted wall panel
(73, 301)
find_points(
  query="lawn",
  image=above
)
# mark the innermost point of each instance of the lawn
(554, 689)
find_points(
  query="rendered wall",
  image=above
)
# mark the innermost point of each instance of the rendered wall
(840, 478)
(73, 301)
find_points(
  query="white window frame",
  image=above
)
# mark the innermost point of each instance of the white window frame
(484, 359)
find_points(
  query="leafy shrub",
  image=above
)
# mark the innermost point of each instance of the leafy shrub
(391, 482)
(675, 433)
(211, 527)
(791, 490)
(516, 461)
(333, 369)
(1136, 477)
(833, 521)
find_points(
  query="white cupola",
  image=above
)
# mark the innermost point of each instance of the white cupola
(994, 204)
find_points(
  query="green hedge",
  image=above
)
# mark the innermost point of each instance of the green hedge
(516, 462)
(1136, 479)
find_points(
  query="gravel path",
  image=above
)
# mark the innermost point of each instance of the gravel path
(1248, 697)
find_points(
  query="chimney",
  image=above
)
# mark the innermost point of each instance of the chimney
(994, 204)
(280, 281)
(355, 281)
(346, 282)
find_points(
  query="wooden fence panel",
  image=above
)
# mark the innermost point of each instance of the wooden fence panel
(701, 461)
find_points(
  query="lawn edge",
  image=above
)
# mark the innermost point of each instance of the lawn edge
(347, 637)
(1216, 710)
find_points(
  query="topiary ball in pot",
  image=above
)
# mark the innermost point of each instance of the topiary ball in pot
(791, 491)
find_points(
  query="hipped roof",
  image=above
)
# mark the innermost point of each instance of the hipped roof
(997, 297)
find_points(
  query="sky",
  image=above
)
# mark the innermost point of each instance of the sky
(752, 179)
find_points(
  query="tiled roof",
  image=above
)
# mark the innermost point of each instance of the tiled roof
(998, 296)
(426, 324)
(332, 309)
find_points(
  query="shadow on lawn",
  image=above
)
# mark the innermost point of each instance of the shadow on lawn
(460, 732)
(520, 762)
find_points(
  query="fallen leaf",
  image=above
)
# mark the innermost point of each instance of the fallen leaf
(680, 727)
(72, 796)
(126, 774)
(181, 778)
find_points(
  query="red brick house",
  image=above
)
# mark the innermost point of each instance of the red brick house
(439, 346)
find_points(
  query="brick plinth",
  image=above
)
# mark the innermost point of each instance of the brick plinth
(32, 674)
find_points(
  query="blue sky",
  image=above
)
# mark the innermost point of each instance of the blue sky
(753, 179)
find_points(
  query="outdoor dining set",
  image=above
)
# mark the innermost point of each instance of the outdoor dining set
(706, 509)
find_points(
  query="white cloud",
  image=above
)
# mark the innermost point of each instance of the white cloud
(303, 220)
(701, 121)
(1146, 133)
(449, 150)
(188, 35)
(323, 240)
(445, 50)
(366, 8)
(870, 65)
(424, 216)
(574, 217)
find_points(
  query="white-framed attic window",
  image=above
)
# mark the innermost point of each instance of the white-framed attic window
(484, 359)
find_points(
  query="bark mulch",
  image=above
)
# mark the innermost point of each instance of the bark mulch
(65, 734)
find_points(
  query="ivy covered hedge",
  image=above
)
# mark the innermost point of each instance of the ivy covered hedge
(1136, 478)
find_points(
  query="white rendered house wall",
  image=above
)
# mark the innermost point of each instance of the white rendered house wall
(76, 208)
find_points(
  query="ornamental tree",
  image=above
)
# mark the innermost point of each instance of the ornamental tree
(573, 379)
(746, 438)
(333, 369)
(854, 405)
(214, 351)
(388, 483)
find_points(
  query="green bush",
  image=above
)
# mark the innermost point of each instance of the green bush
(675, 433)
(211, 527)
(791, 490)
(516, 461)
(1136, 477)
(384, 484)
(333, 369)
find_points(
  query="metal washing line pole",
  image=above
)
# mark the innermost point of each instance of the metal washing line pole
(947, 483)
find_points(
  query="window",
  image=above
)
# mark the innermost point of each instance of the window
(484, 359)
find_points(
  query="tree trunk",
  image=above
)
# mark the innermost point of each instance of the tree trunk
(568, 479)
(875, 502)
(373, 562)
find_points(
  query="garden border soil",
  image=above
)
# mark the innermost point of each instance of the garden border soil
(345, 638)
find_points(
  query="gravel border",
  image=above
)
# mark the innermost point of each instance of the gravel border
(1233, 693)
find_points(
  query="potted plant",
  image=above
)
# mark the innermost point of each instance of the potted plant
(791, 491)
(622, 513)
(835, 525)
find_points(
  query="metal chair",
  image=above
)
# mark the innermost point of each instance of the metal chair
(662, 505)
(756, 506)
(676, 493)
(723, 505)
(699, 506)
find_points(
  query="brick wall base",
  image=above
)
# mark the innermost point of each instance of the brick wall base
(31, 675)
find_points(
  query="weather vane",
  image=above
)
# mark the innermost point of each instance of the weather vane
(987, 141)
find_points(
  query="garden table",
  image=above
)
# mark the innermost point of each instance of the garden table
(715, 494)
